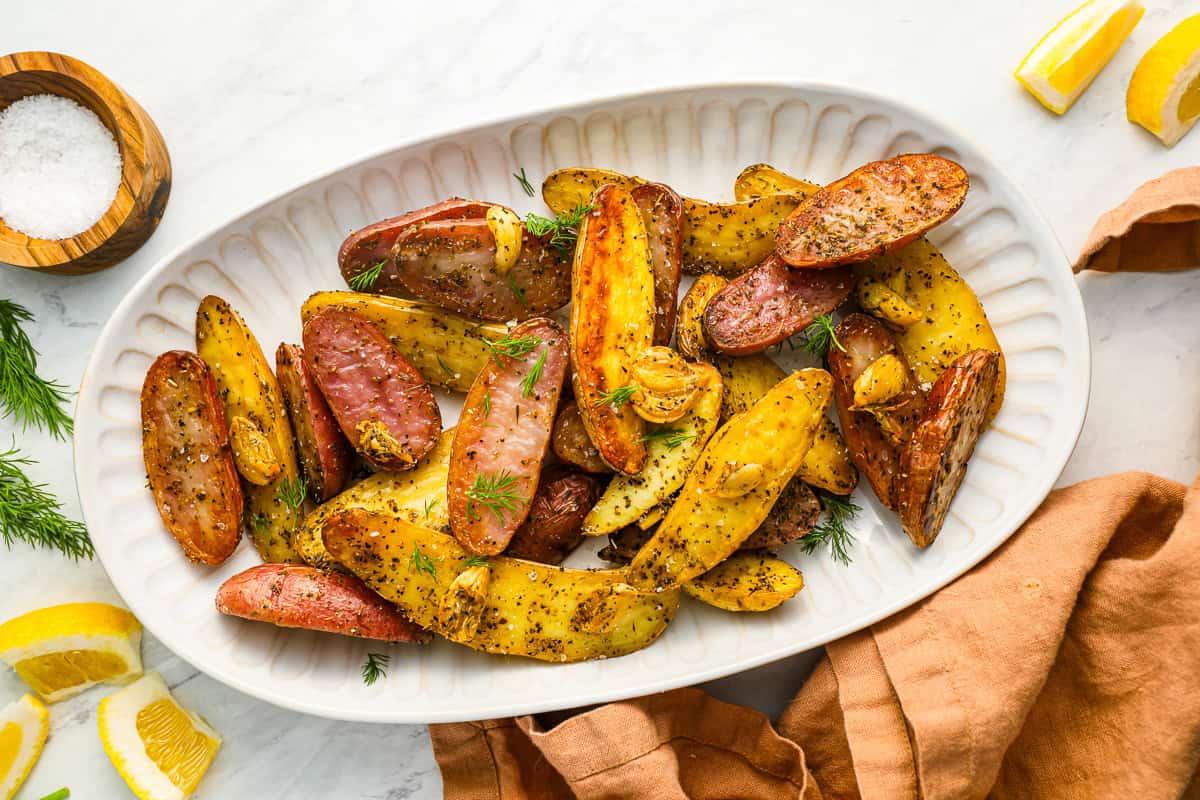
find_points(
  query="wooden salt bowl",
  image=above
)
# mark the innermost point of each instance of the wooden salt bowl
(145, 169)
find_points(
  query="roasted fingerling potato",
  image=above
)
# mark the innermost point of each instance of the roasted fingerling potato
(740, 474)
(792, 516)
(573, 445)
(189, 463)
(554, 527)
(497, 604)
(747, 581)
(325, 455)
(612, 322)
(662, 213)
(761, 180)
(249, 391)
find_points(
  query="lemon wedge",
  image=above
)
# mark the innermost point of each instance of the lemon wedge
(24, 725)
(1164, 92)
(62, 650)
(161, 749)
(1064, 62)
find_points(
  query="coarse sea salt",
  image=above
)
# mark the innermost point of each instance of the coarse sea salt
(59, 167)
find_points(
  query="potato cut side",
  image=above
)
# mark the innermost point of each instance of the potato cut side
(747, 582)
(760, 180)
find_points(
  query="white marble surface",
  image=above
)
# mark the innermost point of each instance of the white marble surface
(256, 96)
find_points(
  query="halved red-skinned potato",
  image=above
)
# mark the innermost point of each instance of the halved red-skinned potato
(189, 463)
(503, 436)
(794, 514)
(572, 444)
(612, 322)
(770, 303)
(299, 596)
(877, 208)
(874, 450)
(662, 212)
(554, 527)
(366, 247)
(934, 461)
(325, 455)
(383, 405)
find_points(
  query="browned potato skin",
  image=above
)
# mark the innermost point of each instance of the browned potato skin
(794, 514)
(878, 207)
(325, 454)
(572, 444)
(934, 461)
(554, 527)
(189, 464)
(689, 327)
(662, 213)
(760, 180)
(612, 321)
(873, 452)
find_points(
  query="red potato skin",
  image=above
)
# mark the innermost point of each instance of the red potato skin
(368, 246)
(325, 454)
(298, 596)
(364, 378)
(770, 303)
(879, 207)
(453, 263)
(189, 463)
(793, 515)
(571, 443)
(662, 213)
(554, 527)
(506, 433)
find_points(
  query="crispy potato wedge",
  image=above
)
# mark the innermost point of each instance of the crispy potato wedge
(770, 303)
(612, 322)
(953, 320)
(827, 465)
(877, 208)
(760, 180)
(448, 349)
(747, 582)
(300, 596)
(671, 451)
(689, 326)
(189, 464)
(417, 495)
(662, 213)
(503, 436)
(741, 472)
(554, 527)
(572, 444)
(934, 461)
(505, 605)
(325, 455)
(720, 238)
(792, 516)
(249, 390)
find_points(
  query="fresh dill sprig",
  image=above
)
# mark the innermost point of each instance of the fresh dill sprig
(832, 530)
(430, 505)
(375, 668)
(510, 347)
(419, 562)
(487, 404)
(477, 561)
(516, 289)
(526, 186)
(672, 437)
(820, 336)
(535, 374)
(291, 493)
(563, 230)
(31, 514)
(259, 523)
(445, 367)
(58, 794)
(365, 280)
(618, 396)
(24, 395)
(495, 493)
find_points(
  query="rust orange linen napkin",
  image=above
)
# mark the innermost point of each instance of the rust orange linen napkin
(1065, 665)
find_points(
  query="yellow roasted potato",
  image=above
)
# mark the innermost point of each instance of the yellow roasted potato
(250, 391)
(448, 349)
(689, 325)
(953, 322)
(761, 180)
(671, 451)
(750, 581)
(827, 465)
(497, 604)
(721, 238)
(612, 322)
(418, 495)
(740, 474)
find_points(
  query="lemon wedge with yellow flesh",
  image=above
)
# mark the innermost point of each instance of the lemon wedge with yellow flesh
(62, 650)
(24, 725)
(161, 749)
(1060, 66)
(1164, 92)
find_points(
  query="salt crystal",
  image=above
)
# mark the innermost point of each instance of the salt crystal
(59, 167)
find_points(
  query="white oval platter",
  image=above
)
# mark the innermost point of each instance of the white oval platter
(267, 261)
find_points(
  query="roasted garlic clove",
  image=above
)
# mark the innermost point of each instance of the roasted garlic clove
(882, 380)
(378, 445)
(508, 231)
(252, 453)
(461, 607)
(881, 300)
(737, 480)
(667, 385)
